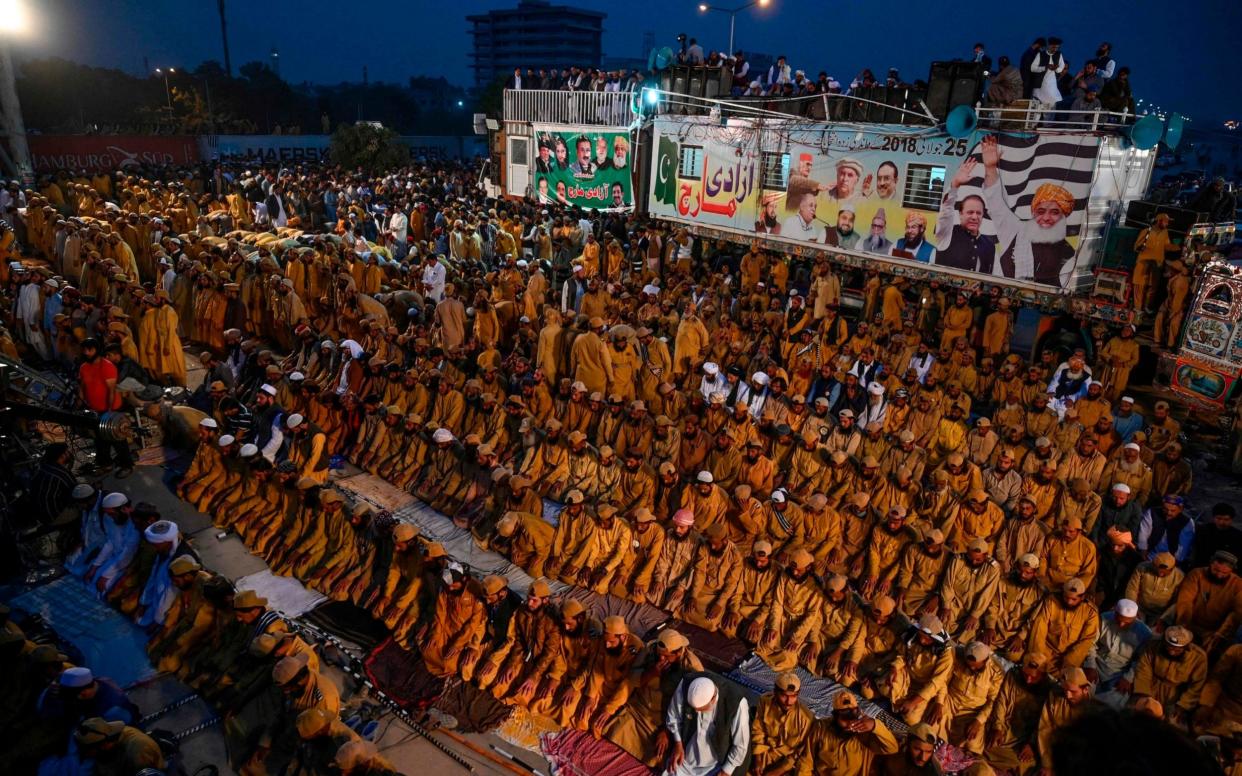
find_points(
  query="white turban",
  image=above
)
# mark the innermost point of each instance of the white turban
(114, 500)
(1127, 608)
(161, 531)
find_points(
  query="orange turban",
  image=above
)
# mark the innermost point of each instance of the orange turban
(1051, 192)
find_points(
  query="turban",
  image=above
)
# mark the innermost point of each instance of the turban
(161, 531)
(1118, 536)
(1051, 192)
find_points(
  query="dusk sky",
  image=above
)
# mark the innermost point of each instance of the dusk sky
(1183, 55)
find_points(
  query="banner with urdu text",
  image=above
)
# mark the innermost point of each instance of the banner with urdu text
(585, 168)
(1007, 206)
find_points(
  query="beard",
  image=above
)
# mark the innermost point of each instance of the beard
(1039, 235)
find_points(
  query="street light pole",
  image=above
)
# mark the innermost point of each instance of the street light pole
(167, 92)
(14, 126)
(733, 12)
(14, 22)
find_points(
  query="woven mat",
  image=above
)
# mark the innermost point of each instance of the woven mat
(110, 644)
(577, 753)
(817, 692)
(284, 594)
(375, 491)
(524, 729)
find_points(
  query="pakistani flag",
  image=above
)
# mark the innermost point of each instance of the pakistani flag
(666, 172)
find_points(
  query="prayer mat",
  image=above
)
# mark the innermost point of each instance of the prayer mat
(552, 512)
(642, 618)
(402, 676)
(952, 759)
(817, 692)
(377, 492)
(524, 730)
(110, 644)
(348, 622)
(577, 753)
(476, 711)
(717, 651)
(284, 594)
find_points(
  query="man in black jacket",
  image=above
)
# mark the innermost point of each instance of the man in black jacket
(709, 723)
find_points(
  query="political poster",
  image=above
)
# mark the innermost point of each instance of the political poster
(585, 168)
(1003, 206)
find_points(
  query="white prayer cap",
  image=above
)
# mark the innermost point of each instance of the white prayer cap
(651, 289)
(711, 368)
(52, 283)
(268, 389)
(294, 420)
(227, 440)
(114, 500)
(705, 477)
(296, 376)
(442, 435)
(701, 693)
(778, 496)
(1133, 446)
(1121, 487)
(82, 490)
(161, 531)
(248, 450)
(1127, 608)
(209, 423)
(1125, 399)
(876, 388)
(760, 377)
(76, 677)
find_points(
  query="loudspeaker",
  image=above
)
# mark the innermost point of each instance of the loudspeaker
(967, 89)
(861, 111)
(1140, 214)
(950, 84)
(895, 98)
(939, 82)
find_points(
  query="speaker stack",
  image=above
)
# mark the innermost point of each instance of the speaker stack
(950, 84)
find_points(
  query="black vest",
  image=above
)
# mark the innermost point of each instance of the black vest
(729, 696)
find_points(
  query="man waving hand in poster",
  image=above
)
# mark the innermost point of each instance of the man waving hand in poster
(1036, 249)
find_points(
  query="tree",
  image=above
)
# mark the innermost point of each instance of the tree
(373, 149)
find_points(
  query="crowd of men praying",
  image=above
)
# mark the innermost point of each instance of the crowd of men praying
(987, 544)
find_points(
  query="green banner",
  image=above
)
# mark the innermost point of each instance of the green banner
(666, 171)
(588, 169)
